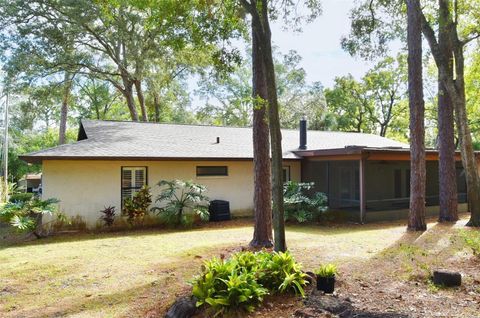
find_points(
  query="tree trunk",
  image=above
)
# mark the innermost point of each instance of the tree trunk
(262, 196)
(128, 93)
(383, 130)
(275, 134)
(468, 155)
(261, 28)
(416, 218)
(156, 105)
(141, 99)
(64, 111)
(455, 86)
(447, 170)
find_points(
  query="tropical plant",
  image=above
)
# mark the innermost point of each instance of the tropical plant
(224, 287)
(26, 216)
(326, 270)
(279, 272)
(178, 197)
(301, 207)
(136, 208)
(241, 282)
(108, 215)
(20, 197)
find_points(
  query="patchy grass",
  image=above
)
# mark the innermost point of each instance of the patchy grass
(134, 274)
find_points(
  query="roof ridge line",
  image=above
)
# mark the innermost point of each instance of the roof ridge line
(224, 126)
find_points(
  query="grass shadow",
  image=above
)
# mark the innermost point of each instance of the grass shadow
(337, 229)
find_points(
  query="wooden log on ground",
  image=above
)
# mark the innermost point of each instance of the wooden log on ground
(446, 278)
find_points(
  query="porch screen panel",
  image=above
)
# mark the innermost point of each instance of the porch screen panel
(133, 179)
(397, 179)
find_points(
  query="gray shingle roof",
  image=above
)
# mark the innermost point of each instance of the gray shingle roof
(117, 139)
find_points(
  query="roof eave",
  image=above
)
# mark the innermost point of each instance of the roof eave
(39, 159)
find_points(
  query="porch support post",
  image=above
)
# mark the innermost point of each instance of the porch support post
(363, 201)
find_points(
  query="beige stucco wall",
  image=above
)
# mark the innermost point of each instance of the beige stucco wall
(84, 187)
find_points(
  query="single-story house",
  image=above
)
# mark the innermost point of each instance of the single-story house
(365, 176)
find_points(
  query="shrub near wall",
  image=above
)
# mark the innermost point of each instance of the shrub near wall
(241, 282)
(300, 206)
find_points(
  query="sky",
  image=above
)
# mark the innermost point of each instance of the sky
(319, 44)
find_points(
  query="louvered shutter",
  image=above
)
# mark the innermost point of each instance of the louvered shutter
(133, 179)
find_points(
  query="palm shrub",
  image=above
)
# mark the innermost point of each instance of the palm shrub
(26, 215)
(301, 207)
(178, 197)
(136, 208)
(242, 281)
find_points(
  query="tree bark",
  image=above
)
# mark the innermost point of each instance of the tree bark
(156, 106)
(261, 28)
(141, 99)
(416, 218)
(275, 134)
(128, 94)
(468, 155)
(262, 196)
(64, 111)
(447, 170)
(455, 87)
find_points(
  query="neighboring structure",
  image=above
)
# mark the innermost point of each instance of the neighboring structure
(362, 174)
(31, 183)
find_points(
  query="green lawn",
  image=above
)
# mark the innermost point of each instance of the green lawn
(135, 273)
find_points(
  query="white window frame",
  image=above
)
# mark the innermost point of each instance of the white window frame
(135, 188)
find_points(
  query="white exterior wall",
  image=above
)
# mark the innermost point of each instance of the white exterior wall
(84, 187)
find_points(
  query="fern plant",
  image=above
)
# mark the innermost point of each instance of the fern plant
(26, 216)
(301, 207)
(242, 281)
(178, 197)
(281, 273)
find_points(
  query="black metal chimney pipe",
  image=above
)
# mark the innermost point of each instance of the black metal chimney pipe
(303, 133)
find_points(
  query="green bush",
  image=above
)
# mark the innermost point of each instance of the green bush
(178, 197)
(472, 240)
(26, 216)
(136, 208)
(301, 207)
(327, 270)
(21, 197)
(241, 282)
(280, 273)
(224, 285)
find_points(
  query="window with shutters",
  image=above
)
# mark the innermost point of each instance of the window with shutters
(133, 179)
